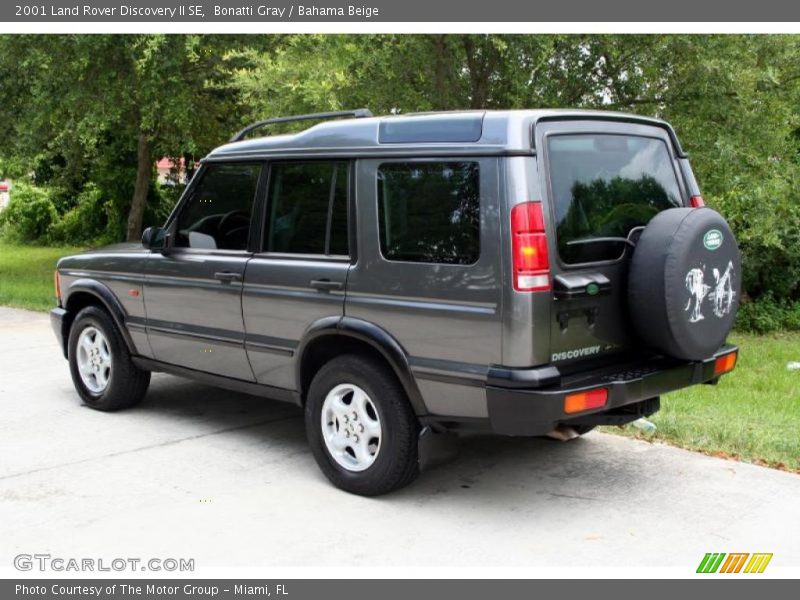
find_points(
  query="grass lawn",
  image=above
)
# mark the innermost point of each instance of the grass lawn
(26, 275)
(753, 414)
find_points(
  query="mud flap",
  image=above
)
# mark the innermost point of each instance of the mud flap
(434, 448)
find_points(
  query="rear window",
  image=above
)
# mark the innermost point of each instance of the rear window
(603, 186)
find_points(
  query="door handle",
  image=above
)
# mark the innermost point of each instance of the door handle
(227, 276)
(326, 285)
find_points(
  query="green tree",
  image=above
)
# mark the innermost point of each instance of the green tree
(101, 109)
(105, 107)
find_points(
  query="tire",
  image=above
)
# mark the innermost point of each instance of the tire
(371, 455)
(684, 283)
(110, 381)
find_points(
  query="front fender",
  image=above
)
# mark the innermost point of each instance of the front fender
(104, 296)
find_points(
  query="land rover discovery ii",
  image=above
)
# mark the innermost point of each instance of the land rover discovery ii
(405, 278)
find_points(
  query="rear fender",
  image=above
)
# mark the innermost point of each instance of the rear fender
(375, 337)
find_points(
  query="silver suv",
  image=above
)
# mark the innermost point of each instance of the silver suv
(405, 278)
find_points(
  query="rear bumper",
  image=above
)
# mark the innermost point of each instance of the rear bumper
(57, 316)
(524, 411)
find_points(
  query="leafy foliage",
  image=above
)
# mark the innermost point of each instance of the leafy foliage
(86, 222)
(29, 214)
(100, 109)
(768, 314)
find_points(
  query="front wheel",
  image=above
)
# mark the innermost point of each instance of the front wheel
(361, 428)
(101, 367)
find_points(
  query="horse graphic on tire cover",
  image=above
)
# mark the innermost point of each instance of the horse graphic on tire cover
(721, 295)
(695, 283)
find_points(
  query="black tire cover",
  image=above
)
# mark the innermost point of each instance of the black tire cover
(684, 282)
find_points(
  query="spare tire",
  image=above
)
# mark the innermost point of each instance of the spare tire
(684, 282)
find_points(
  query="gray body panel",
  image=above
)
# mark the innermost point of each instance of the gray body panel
(120, 268)
(279, 306)
(526, 317)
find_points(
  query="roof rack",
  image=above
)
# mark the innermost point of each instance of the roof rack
(358, 113)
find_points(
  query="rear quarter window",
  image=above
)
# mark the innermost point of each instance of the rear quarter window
(604, 185)
(429, 212)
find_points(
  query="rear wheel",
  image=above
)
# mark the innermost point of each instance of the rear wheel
(101, 367)
(360, 426)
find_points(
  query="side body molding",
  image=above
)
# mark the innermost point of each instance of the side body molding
(106, 298)
(368, 333)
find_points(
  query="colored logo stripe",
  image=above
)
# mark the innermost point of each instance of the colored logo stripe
(758, 563)
(710, 562)
(734, 562)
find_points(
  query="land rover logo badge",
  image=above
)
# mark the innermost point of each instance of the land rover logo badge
(592, 289)
(712, 239)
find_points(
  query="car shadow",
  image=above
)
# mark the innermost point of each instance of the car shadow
(484, 464)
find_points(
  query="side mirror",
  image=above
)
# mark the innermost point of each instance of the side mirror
(154, 238)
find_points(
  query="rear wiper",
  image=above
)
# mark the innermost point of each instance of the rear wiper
(633, 236)
(602, 240)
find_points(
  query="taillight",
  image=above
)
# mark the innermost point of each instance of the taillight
(697, 202)
(588, 400)
(725, 363)
(530, 262)
(57, 286)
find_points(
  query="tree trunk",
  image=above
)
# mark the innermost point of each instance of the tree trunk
(144, 171)
(478, 73)
(440, 74)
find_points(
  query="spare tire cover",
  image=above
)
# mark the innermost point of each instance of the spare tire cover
(684, 282)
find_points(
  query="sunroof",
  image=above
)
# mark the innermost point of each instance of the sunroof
(457, 127)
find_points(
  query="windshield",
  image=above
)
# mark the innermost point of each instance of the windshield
(603, 186)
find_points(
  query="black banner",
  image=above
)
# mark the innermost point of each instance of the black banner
(335, 589)
(200, 11)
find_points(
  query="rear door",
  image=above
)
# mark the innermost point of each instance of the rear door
(299, 273)
(603, 182)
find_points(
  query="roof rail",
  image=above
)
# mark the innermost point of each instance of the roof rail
(358, 113)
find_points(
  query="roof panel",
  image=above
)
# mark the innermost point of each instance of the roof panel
(465, 131)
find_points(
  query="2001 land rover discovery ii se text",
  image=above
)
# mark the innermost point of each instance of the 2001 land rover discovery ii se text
(404, 278)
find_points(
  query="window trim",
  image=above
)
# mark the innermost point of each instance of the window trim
(428, 160)
(258, 248)
(545, 164)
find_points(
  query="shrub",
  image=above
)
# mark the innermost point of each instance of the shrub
(29, 214)
(767, 314)
(86, 222)
(765, 218)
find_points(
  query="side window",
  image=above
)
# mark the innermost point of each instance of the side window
(429, 212)
(217, 215)
(307, 208)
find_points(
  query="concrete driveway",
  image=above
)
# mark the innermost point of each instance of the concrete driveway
(227, 479)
